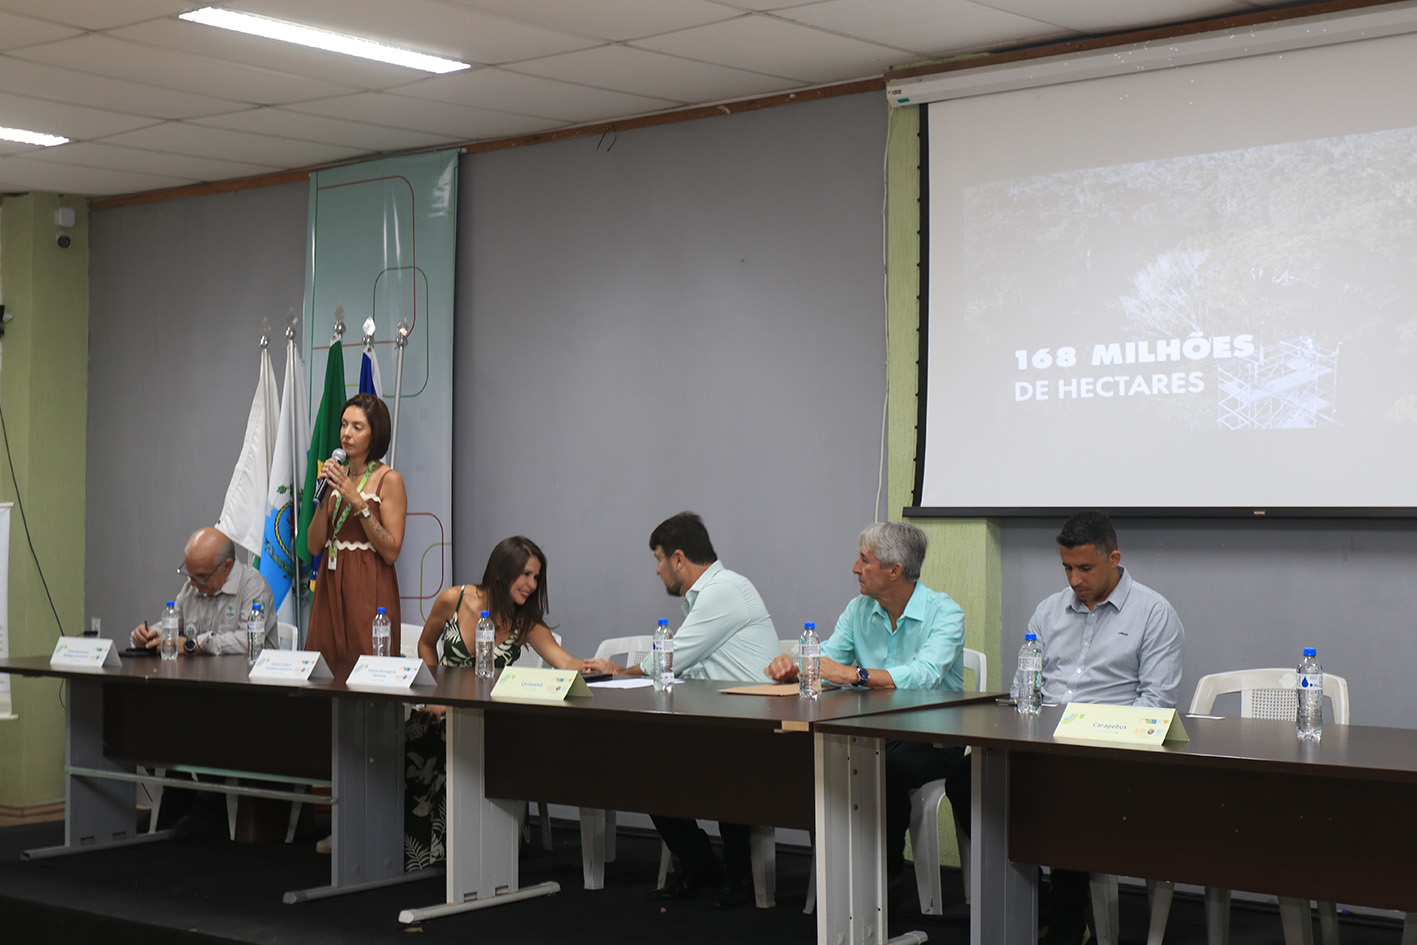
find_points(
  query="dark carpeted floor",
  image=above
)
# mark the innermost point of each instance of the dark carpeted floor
(192, 891)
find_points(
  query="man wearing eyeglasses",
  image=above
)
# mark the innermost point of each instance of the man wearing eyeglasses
(212, 605)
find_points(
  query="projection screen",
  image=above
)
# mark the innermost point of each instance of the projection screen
(1189, 289)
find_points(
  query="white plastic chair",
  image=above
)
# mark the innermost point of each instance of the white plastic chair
(598, 825)
(925, 816)
(287, 636)
(408, 640)
(1264, 694)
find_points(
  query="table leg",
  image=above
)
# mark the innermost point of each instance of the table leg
(367, 803)
(484, 835)
(1004, 894)
(98, 813)
(850, 861)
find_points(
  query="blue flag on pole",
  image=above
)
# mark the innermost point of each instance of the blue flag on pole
(369, 381)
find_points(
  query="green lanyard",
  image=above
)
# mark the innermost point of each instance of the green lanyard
(341, 514)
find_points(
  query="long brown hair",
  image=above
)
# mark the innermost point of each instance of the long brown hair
(504, 565)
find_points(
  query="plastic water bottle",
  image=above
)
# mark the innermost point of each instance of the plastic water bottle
(1028, 681)
(663, 656)
(169, 631)
(483, 641)
(809, 652)
(380, 634)
(1309, 687)
(255, 633)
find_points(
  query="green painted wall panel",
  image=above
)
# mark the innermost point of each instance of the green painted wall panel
(43, 394)
(964, 559)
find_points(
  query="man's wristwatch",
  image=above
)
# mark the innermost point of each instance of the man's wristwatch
(863, 676)
(189, 644)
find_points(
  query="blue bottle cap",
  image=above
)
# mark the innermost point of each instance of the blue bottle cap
(171, 603)
(256, 605)
(809, 625)
(487, 613)
(1030, 635)
(377, 610)
(1310, 651)
(663, 622)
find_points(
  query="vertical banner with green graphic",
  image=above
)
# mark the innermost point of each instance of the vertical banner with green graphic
(382, 246)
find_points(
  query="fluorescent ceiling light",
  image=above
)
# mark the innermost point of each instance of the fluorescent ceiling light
(321, 39)
(31, 137)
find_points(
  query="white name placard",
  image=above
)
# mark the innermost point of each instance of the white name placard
(287, 666)
(541, 685)
(83, 653)
(389, 672)
(1120, 724)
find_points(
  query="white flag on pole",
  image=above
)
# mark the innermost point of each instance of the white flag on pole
(243, 513)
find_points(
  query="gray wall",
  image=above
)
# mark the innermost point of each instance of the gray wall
(177, 291)
(690, 318)
(1253, 594)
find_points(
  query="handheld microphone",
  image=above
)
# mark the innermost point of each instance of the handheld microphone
(323, 483)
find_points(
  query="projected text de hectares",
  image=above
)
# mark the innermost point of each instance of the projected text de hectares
(1118, 385)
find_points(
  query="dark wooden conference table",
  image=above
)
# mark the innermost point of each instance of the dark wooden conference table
(205, 712)
(692, 752)
(1242, 805)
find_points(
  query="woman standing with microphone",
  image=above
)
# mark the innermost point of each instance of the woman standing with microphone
(359, 526)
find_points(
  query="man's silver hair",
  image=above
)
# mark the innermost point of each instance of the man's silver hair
(896, 543)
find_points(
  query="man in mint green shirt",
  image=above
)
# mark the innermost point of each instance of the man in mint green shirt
(727, 634)
(898, 634)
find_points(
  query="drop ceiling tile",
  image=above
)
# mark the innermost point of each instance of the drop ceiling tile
(17, 31)
(1115, 16)
(615, 20)
(117, 158)
(173, 69)
(360, 135)
(212, 44)
(532, 95)
(97, 14)
(204, 141)
(643, 72)
(21, 174)
(75, 88)
(69, 121)
(444, 29)
(925, 27)
(762, 43)
(454, 123)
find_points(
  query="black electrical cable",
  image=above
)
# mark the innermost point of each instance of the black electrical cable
(25, 522)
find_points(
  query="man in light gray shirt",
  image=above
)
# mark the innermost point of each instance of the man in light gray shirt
(212, 605)
(1107, 639)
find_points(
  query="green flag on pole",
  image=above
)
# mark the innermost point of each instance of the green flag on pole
(324, 440)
